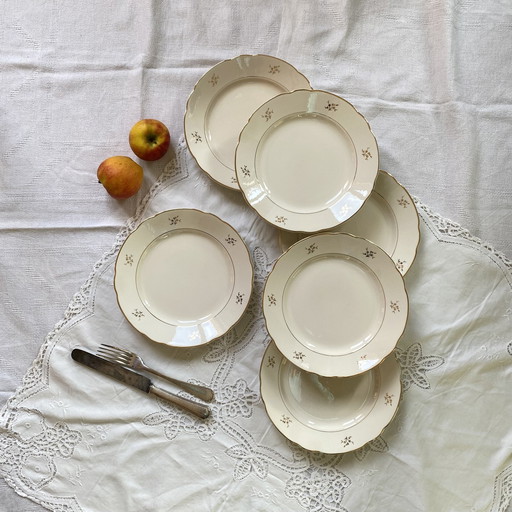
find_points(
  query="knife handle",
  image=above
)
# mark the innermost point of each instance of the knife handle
(201, 392)
(198, 409)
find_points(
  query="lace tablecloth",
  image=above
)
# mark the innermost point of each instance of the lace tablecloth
(72, 440)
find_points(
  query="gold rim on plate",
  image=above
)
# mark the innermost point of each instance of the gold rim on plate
(306, 160)
(223, 100)
(335, 304)
(183, 277)
(329, 414)
(388, 218)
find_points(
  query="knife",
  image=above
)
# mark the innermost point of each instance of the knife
(136, 380)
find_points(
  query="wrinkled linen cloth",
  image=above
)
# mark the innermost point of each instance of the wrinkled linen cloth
(73, 440)
(432, 78)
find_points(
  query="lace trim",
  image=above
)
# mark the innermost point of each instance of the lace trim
(36, 377)
(453, 232)
(316, 485)
(502, 491)
(448, 229)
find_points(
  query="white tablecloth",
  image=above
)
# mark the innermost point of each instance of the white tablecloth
(433, 79)
(73, 440)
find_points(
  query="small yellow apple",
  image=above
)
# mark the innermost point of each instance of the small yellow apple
(149, 139)
(121, 176)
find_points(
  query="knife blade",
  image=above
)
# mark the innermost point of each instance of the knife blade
(137, 380)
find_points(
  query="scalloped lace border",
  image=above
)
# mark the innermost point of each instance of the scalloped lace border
(447, 229)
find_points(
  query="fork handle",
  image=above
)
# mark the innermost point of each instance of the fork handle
(198, 409)
(201, 392)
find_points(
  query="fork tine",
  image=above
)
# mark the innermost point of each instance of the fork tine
(113, 354)
(118, 349)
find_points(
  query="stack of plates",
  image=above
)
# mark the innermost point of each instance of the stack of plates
(335, 302)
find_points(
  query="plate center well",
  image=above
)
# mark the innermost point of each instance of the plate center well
(333, 304)
(305, 162)
(185, 277)
(328, 403)
(230, 110)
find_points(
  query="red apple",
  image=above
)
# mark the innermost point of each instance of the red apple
(121, 176)
(149, 139)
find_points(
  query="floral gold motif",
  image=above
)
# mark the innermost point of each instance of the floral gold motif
(310, 249)
(214, 80)
(230, 240)
(272, 301)
(286, 420)
(369, 253)
(346, 441)
(299, 356)
(137, 313)
(129, 260)
(331, 107)
(280, 219)
(197, 137)
(403, 202)
(268, 114)
(271, 361)
(388, 399)
(366, 153)
(239, 298)
(245, 171)
(394, 306)
(174, 220)
(400, 265)
(274, 69)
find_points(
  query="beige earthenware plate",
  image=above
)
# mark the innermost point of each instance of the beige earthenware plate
(183, 277)
(306, 160)
(222, 102)
(335, 304)
(328, 414)
(388, 218)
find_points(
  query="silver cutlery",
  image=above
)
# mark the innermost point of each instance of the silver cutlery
(132, 360)
(137, 380)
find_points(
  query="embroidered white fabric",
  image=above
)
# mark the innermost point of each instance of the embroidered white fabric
(432, 78)
(72, 440)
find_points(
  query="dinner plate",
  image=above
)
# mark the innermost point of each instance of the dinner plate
(335, 304)
(328, 414)
(306, 160)
(183, 277)
(388, 218)
(223, 100)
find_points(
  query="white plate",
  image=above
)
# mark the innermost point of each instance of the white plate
(306, 160)
(388, 218)
(183, 277)
(222, 102)
(328, 414)
(335, 304)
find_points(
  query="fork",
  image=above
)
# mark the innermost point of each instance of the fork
(131, 360)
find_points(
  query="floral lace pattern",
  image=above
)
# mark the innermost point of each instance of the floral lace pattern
(414, 366)
(316, 482)
(313, 481)
(32, 459)
(377, 445)
(451, 230)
